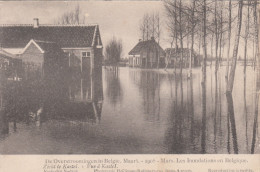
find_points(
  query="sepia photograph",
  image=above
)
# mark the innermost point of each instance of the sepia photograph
(129, 77)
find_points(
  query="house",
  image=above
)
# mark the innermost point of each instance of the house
(41, 59)
(82, 43)
(145, 54)
(173, 57)
(10, 65)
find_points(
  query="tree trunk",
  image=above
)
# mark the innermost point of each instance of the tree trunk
(246, 38)
(176, 55)
(204, 63)
(229, 36)
(158, 27)
(235, 50)
(216, 39)
(211, 51)
(221, 36)
(176, 36)
(168, 59)
(181, 38)
(192, 37)
(256, 34)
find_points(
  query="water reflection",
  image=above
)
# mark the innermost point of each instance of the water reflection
(38, 101)
(204, 118)
(114, 88)
(232, 121)
(256, 103)
(148, 83)
(142, 110)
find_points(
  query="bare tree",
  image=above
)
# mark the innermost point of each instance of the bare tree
(113, 52)
(157, 33)
(216, 37)
(150, 26)
(246, 38)
(256, 31)
(235, 50)
(204, 64)
(181, 34)
(229, 37)
(177, 16)
(72, 17)
(193, 23)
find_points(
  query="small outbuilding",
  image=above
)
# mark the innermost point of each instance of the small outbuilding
(41, 59)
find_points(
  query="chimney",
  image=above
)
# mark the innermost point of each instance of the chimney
(35, 23)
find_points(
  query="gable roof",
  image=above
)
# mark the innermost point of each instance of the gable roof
(43, 46)
(145, 46)
(66, 36)
(5, 54)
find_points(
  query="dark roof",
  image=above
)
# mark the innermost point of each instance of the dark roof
(67, 36)
(48, 46)
(144, 46)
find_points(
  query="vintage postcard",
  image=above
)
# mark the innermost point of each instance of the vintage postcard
(129, 86)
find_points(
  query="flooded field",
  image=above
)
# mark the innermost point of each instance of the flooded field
(134, 111)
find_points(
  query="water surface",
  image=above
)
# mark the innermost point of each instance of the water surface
(134, 111)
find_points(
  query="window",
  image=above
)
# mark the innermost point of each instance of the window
(85, 61)
(85, 54)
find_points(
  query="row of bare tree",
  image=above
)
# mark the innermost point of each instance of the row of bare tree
(73, 17)
(150, 26)
(205, 21)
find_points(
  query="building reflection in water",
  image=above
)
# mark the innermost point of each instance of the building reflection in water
(180, 115)
(34, 102)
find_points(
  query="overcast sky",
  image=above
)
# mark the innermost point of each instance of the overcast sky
(115, 18)
(118, 18)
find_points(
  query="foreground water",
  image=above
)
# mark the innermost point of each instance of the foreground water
(139, 111)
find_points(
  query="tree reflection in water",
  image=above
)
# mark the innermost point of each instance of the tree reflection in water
(232, 121)
(114, 89)
(204, 117)
(174, 113)
(255, 125)
(183, 130)
(149, 85)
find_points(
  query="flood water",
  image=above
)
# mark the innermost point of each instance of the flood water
(139, 111)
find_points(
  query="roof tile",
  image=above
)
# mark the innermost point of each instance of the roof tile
(65, 36)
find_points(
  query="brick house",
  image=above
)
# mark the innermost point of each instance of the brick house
(81, 43)
(146, 53)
